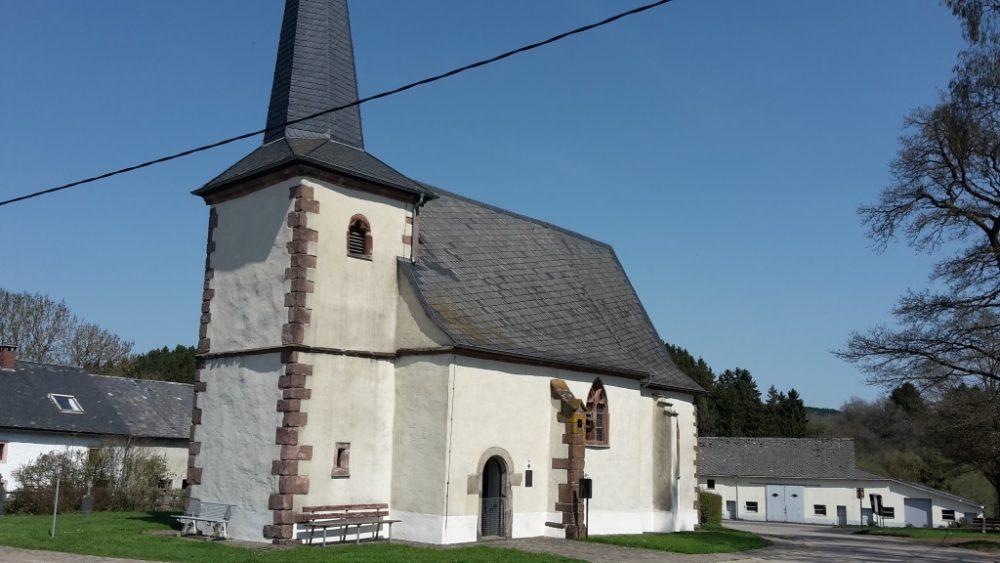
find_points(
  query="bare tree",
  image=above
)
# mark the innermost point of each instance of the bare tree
(39, 326)
(945, 193)
(98, 350)
(45, 331)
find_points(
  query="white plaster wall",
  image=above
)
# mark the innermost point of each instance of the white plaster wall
(237, 434)
(24, 447)
(833, 493)
(686, 488)
(497, 404)
(354, 305)
(352, 401)
(174, 453)
(420, 445)
(248, 307)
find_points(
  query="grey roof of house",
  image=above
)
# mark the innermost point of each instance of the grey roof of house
(793, 458)
(802, 458)
(111, 406)
(500, 282)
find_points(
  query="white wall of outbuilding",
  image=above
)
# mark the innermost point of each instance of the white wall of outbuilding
(832, 493)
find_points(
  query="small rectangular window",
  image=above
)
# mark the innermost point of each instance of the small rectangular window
(888, 512)
(751, 506)
(3, 453)
(948, 515)
(819, 509)
(342, 460)
(66, 403)
(711, 483)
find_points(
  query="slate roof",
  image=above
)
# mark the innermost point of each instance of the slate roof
(497, 281)
(802, 458)
(314, 71)
(112, 405)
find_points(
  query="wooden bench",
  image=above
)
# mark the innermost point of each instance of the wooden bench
(214, 513)
(344, 517)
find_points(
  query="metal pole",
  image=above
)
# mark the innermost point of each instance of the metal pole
(55, 502)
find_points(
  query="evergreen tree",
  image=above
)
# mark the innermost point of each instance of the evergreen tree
(736, 400)
(794, 422)
(701, 373)
(165, 364)
(771, 422)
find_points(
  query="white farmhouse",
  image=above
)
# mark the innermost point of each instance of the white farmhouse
(45, 408)
(367, 338)
(816, 482)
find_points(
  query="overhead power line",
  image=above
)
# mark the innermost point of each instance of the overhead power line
(360, 101)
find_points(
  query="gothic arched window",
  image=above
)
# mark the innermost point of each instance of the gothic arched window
(359, 237)
(598, 426)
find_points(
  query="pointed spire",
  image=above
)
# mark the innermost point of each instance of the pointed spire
(315, 71)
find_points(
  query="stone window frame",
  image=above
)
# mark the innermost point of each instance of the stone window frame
(597, 405)
(341, 460)
(360, 224)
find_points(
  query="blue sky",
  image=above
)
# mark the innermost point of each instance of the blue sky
(722, 147)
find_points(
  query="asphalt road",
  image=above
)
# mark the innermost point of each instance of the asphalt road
(798, 542)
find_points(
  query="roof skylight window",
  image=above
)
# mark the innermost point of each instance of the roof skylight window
(66, 403)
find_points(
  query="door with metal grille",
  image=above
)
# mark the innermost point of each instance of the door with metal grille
(493, 512)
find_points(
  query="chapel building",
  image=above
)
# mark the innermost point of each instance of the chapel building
(368, 338)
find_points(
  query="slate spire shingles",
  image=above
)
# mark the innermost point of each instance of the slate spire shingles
(315, 71)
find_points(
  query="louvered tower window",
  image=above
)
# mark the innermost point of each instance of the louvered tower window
(597, 416)
(359, 238)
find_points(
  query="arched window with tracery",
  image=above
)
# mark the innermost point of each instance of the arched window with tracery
(359, 237)
(598, 427)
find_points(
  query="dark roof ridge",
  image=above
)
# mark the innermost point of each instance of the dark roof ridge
(47, 364)
(141, 379)
(516, 215)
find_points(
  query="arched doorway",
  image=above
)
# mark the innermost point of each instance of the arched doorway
(494, 512)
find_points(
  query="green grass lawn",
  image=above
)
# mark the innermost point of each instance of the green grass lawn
(708, 540)
(970, 539)
(146, 536)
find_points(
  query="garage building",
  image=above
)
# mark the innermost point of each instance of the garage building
(816, 482)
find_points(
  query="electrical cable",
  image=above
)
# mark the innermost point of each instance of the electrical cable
(358, 102)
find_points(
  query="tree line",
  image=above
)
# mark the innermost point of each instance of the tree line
(46, 331)
(733, 406)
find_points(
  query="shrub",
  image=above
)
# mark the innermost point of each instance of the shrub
(118, 475)
(709, 508)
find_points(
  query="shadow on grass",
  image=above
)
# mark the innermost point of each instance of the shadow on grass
(161, 518)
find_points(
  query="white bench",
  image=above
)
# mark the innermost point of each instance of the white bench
(214, 513)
